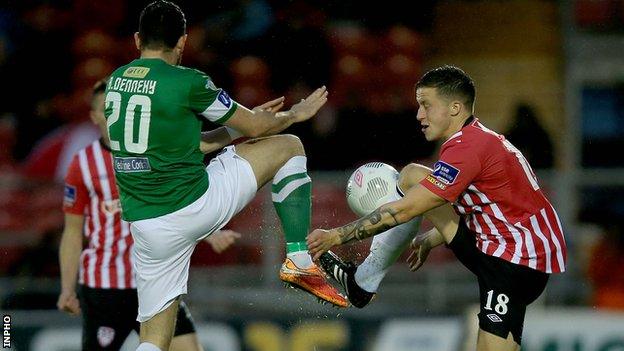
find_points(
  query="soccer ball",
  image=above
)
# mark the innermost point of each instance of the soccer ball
(370, 186)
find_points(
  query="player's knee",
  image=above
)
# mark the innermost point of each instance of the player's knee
(412, 174)
(291, 144)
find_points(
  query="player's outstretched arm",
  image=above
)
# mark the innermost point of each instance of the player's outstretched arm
(267, 120)
(417, 201)
(221, 137)
(421, 245)
(69, 259)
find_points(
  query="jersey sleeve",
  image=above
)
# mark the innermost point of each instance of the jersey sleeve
(209, 101)
(457, 167)
(76, 194)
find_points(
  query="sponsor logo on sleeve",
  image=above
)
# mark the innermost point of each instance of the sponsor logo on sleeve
(136, 72)
(435, 182)
(224, 98)
(445, 173)
(69, 196)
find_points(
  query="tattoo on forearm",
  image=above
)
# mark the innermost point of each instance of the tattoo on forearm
(376, 222)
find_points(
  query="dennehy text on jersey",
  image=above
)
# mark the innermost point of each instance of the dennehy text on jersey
(135, 86)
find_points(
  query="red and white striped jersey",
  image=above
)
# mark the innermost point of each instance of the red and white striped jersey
(494, 189)
(90, 190)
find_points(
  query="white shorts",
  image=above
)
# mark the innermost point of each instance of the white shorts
(163, 245)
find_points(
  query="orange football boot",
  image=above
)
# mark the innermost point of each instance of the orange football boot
(311, 280)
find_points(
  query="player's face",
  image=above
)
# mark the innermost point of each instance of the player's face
(434, 113)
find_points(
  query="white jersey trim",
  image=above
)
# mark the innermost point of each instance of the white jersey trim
(217, 109)
(456, 135)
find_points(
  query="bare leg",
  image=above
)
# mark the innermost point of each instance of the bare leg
(281, 158)
(186, 342)
(267, 155)
(490, 342)
(159, 329)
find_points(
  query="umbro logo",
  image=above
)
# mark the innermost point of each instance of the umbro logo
(494, 318)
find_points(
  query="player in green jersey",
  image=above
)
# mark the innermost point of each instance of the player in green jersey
(154, 109)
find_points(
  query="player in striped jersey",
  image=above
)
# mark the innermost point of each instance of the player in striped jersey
(505, 230)
(107, 288)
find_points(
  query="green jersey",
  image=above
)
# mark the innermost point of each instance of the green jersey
(153, 112)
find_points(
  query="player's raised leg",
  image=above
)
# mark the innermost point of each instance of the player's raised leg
(361, 282)
(282, 159)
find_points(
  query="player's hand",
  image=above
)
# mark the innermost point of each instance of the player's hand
(321, 240)
(68, 302)
(309, 106)
(221, 240)
(420, 250)
(271, 106)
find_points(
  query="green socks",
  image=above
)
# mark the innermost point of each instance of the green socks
(291, 192)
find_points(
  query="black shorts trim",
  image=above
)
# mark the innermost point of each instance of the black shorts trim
(109, 315)
(505, 288)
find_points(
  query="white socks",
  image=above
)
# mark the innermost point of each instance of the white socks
(384, 251)
(146, 346)
(301, 259)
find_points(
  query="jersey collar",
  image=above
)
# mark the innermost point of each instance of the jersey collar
(468, 122)
(470, 119)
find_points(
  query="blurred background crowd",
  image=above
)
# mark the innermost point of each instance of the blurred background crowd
(549, 75)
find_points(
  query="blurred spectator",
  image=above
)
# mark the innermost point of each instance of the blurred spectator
(51, 156)
(606, 269)
(530, 138)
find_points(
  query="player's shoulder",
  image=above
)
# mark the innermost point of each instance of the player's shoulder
(74, 165)
(477, 133)
(138, 69)
(473, 138)
(197, 78)
(192, 72)
(83, 152)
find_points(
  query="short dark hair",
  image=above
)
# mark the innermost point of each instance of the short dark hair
(161, 24)
(98, 88)
(451, 82)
